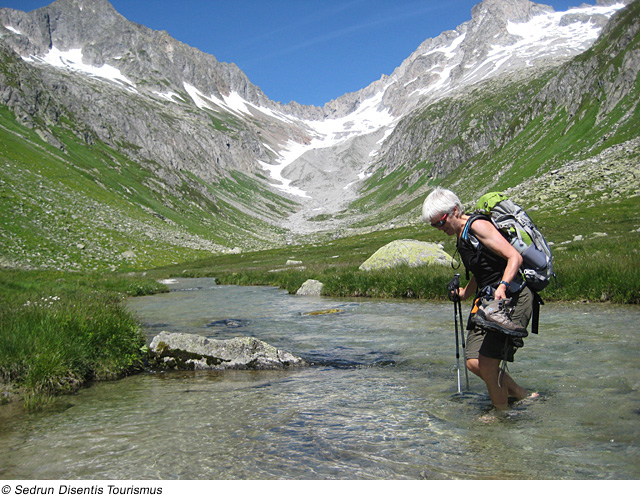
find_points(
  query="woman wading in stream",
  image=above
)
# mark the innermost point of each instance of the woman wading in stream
(493, 263)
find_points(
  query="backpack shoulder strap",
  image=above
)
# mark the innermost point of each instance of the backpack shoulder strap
(470, 238)
(471, 220)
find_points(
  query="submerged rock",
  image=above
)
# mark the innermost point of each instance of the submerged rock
(323, 312)
(194, 352)
(407, 252)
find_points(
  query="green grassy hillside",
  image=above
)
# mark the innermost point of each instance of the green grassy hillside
(87, 207)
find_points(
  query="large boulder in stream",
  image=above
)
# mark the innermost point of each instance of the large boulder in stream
(412, 253)
(194, 352)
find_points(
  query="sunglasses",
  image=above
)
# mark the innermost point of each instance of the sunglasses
(441, 222)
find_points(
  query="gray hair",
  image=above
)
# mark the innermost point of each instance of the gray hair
(439, 202)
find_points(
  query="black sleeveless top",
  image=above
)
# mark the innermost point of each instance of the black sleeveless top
(486, 266)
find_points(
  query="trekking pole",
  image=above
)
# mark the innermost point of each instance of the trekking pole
(453, 286)
(464, 351)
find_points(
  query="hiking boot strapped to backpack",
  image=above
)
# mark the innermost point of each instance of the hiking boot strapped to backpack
(494, 315)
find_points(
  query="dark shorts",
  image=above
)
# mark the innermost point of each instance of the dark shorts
(497, 345)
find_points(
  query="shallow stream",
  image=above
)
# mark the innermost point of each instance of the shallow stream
(378, 402)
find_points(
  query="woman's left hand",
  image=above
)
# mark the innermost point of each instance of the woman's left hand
(501, 292)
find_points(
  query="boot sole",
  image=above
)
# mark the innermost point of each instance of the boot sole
(490, 325)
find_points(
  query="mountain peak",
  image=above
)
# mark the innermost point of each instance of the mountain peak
(96, 13)
(65, 25)
(86, 6)
(519, 11)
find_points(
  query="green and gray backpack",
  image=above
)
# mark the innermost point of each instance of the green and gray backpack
(518, 228)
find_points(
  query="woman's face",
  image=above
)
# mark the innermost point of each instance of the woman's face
(442, 222)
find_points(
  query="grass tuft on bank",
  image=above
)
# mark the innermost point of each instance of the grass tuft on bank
(62, 330)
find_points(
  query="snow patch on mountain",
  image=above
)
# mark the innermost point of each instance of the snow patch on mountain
(545, 35)
(211, 102)
(293, 150)
(168, 96)
(370, 116)
(12, 29)
(556, 32)
(233, 103)
(449, 51)
(72, 60)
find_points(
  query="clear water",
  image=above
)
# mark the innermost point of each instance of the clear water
(379, 401)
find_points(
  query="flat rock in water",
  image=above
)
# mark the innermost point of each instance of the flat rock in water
(412, 253)
(194, 352)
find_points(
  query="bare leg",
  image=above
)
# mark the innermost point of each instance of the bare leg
(488, 369)
(513, 389)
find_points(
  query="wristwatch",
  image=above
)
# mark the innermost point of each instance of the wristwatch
(505, 283)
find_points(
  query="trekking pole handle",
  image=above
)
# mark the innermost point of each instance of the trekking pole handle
(453, 287)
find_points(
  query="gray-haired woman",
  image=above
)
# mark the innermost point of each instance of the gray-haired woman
(493, 263)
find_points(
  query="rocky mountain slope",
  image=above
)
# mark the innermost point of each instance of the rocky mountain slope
(512, 39)
(182, 155)
(521, 126)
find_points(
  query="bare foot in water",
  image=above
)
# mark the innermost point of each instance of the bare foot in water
(529, 398)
